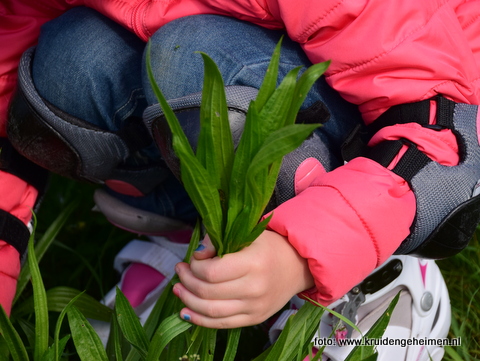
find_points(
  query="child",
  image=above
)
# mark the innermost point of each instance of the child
(377, 204)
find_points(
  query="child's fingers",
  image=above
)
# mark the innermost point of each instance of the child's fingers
(212, 308)
(205, 249)
(215, 270)
(235, 321)
(236, 288)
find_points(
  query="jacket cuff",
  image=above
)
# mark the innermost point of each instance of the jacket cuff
(347, 223)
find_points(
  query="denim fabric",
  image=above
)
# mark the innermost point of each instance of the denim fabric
(92, 68)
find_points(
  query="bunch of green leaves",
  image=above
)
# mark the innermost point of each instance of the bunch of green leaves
(40, 345)
(231, 188)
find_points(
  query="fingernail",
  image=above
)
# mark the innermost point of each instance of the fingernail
(200, 247)
(176, 291)
(186, 317)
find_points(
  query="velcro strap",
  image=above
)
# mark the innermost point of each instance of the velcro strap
(14, 163)
(14, 232)
(411, 162)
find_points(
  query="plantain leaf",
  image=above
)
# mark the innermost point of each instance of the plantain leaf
(170, 327)
(290, 342)
(232, 344)
(28, 329)
(130, 324)
(117, 342)
(198, 182)
(58, 348)
(12, 338)
(207, 348)
(57, 344)
(87, 343)
(215, 143)
(40, 304)
(304, 84)
(43, 244)
(59, 297)
(273, 114)
(270, 80)
(359, 353)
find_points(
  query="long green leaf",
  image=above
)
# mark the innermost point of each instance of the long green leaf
(12, 338)
(376, 331)
(215, 145)
(116, 340)
(87, 343)
(289, 343)
(170, 327)
(207, 348)
(130, 324)
(59, 297)
(40, 305)
(249, 144)
(232, 344)
(28, 329)
(278, 144)
(304, 84)
(44, 243)
(57, 346)
(198, 183)
(270, 80)
(273, 114)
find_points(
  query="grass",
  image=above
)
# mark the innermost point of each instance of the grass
(82, 256)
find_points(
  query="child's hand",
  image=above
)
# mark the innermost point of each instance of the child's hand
(242, 288)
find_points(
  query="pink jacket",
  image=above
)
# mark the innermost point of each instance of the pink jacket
(383, 52)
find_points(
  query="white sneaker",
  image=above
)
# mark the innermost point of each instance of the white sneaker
(160, 254)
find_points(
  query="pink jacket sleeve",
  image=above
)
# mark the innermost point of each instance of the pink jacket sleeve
(19, 29)
(391, 52)
(383, 53)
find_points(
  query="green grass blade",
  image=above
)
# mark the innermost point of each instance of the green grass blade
(171, 327)
(232, 344)
(130, 324)
(12, 338)
(40, 305)
(44, 243)
(87, 343)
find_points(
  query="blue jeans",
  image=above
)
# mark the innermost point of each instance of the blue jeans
(93, 68)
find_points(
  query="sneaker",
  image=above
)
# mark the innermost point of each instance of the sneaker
(145, 267)
(422, 312)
